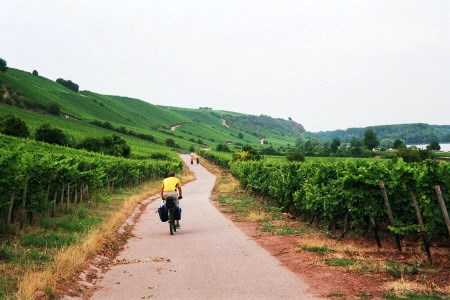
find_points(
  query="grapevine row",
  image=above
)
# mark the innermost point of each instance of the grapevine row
(37, 178)
(332, 191)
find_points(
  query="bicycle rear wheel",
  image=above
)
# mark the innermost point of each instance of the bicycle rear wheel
(171, 221)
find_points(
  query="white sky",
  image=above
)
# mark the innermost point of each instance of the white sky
(327, 64)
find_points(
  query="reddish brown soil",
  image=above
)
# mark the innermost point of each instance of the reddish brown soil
(339, 282)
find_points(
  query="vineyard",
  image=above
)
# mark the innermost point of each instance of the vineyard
(408, 199)
(38, 178)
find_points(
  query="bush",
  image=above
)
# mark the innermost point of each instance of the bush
(246, 153)
(3, 65)
(222, 148)
(170, 142)
(413, 155)
(15, 126)
(68, 84)
(113, 145)
(45, 133)
(295, 156)
(54, 109)
(269, 151)
(35, 73)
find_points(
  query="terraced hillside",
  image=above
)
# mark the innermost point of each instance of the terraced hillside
(40, 100)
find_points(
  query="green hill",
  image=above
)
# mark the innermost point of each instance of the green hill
(38, 100)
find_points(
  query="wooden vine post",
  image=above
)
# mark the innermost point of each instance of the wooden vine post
(23, 213)
(423, 233)
(375, 230)
(443, 208)
(346, 221)
(9, 219)
(389, 212)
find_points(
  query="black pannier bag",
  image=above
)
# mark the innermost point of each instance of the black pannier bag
(162, 211)
(177, 213)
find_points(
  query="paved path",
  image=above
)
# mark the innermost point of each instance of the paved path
(209, 258)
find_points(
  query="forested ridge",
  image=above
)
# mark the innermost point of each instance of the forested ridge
(416, 133)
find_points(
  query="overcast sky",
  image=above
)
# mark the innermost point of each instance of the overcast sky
(326, 64)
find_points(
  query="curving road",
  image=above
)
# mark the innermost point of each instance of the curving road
(209, 258)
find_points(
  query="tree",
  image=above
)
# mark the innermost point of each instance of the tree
(48, 134)
(386, 143)
(240, 135)
(334, 146)
(370, 139)
(434, 146)
(356, 142)
(35, 73)
(398, 143)
(15, 126)
(3, 65)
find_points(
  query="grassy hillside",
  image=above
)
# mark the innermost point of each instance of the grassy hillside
(31, 97)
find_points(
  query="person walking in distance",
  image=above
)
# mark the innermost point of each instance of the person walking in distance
(198, 160)
(192, 160)
(171, 187)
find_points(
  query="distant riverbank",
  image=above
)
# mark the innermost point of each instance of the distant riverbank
(444, 147)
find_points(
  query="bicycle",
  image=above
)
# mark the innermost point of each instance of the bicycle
(170, 204)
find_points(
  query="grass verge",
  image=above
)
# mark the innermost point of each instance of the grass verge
(43, 256)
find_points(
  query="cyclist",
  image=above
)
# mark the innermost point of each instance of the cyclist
(169, 188)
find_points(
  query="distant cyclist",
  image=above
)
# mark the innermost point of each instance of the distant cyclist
(169, 188)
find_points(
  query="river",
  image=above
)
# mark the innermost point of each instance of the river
(444, 147)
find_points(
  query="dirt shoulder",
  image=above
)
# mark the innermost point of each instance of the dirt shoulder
(348, 268)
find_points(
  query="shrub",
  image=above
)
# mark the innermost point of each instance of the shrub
(35, 73)
(113, 145)
(246, 153)
(48, 134)
(3, 65)
(295, 156)
(170, 142)
(68, 84)
(54, 109)
(413, 155)
(222, 147)
(15, 126)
